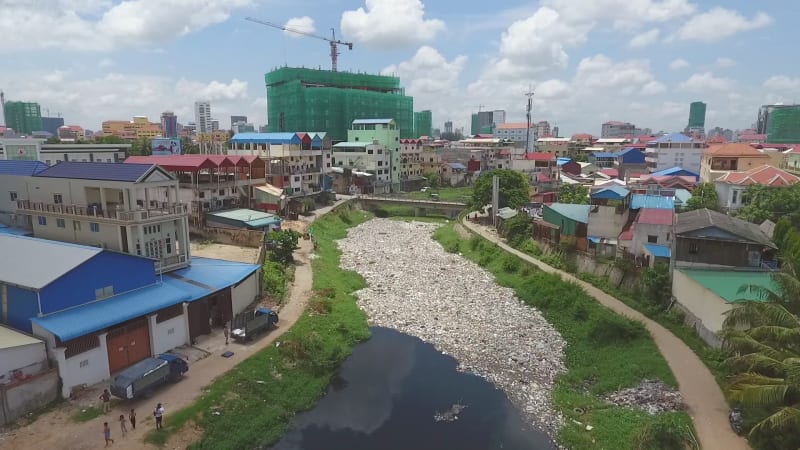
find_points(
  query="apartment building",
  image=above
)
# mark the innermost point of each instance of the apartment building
(366, 157)
(50, 154)
(674, 150)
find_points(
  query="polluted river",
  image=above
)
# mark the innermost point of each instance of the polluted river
(454, 361)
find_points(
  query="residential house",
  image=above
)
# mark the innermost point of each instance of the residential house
(608, 216)
(454, 174)
(569, 165)
(733, 157)
(674, 150)
(564, 220)
(629, 162)
(411, 174)
(244, 219)
(554, 145)
(14, 177)
(653, 232)
(366, 157)
(731, 186)
(677, 172)
(792, 157)
(603, 160)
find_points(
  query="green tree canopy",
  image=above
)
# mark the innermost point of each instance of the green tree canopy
(110, 140)
(577, 194)
(704, 196)
(774, 203)
(514, 189)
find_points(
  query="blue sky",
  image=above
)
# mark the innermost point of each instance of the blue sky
(587, 60)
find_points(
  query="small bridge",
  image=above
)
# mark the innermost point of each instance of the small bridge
(421, 207)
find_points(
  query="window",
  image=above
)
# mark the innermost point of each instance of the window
(13, 196)
(95, 227)
(222, 192)
(296, 178)
(42, 220)
(47, 161)
(734, 196)
(61, 223)
(202, 194)
(652, 239)
(169, 244)
(58, 199)
(104, 292)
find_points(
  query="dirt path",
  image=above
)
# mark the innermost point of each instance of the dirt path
(706, 404)
(56, 430)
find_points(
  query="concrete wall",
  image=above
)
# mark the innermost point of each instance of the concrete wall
(27, 396)
(30, 359)
(9, 184)
(605, 222)
(168, 334)
(80, 370)
(704, 308)
(245, 238)
(245, 292)
(642, 230)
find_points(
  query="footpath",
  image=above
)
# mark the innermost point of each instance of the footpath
(57, 429)
(701, 393)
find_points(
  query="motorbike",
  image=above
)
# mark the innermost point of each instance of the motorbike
(735, 418)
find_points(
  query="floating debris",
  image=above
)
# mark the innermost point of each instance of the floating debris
(450, 415)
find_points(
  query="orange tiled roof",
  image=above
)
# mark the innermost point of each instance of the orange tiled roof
(733, 149)
(765, 175)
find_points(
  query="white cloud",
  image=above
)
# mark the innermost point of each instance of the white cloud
(304, 24)
(782, 83)
(626, 77)
(390, 24)
(97, 25)
(678, 64)
(106, 63)
(212, 91)
(623, 14)
(704, 82)
(644, 39)
(719, 23)
(725, 62)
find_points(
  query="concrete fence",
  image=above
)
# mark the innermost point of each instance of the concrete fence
(24, 396)
(244, 238)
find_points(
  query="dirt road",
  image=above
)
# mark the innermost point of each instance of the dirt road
(56, 429)
(706, 404)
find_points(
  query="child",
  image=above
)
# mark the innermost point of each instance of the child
(106, 398)
(132, 418)
(107, 433)
(158, 413)
(122, 425)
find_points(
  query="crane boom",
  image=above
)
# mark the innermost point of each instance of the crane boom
(332, 40)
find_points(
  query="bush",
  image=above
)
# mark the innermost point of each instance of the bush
(282, 245)
(510, 264)
(530, 247)
(274, 276)
(663, 436)
(611, 328)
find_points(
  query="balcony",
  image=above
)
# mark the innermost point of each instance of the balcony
(171, 263)
(151, 214)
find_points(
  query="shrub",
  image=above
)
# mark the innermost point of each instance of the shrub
(475, 243)
(510, 264)
(274, 277)
(530, 247)
(611, 328)
(663, 436)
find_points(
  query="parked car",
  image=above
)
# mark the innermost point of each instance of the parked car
(140, 379)
(245, 325)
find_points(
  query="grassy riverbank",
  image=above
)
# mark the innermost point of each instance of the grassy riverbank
(251, 406)
(605, 352)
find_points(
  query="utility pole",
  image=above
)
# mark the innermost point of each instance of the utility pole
(529, 108)
(3, 107)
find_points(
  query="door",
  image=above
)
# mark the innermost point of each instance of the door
(198, 319)
(128, 344)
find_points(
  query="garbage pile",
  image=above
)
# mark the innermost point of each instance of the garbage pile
(652, 396)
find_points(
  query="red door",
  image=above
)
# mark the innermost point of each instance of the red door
(128, 344)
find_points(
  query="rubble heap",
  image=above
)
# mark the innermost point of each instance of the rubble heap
(418, 288)
(651, 395)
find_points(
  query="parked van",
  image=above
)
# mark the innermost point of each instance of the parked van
(143, 377)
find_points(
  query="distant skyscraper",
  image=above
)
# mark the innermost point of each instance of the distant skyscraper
(237, 119)
(214, 125)
(498, 117)
(781, 123)
(52, 124)
(202, 116)
(697, 116)
(23, 117)
(448, 127)
(423, 123)
(482, 122)
(555, 131)
(169, 124)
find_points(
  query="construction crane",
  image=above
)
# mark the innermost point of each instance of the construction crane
(333, 42)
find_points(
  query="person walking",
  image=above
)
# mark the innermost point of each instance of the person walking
(107, 433)
(122, 425)
(132, 418)
(106, 398)
(158, 413)
(226, 332)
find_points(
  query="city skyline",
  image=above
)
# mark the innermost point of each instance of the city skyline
(639, 61)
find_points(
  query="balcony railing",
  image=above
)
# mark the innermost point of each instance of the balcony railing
(170, 263)
(164, 210)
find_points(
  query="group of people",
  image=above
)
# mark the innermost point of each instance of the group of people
(158, 414)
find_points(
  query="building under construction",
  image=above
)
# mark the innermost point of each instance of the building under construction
(781, 123)
(311, 99)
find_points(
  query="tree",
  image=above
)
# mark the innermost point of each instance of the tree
(573, 193)
(141, 147)
(52, 140)
(774, 203)
(514, 189)
(282, 245)
(111, 139)
(434, 180)
(657, 284)
(704, 196)
(517, 229)
(189, 147)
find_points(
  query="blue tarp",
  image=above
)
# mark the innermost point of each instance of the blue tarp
(659, 251)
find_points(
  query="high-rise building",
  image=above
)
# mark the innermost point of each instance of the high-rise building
(202, 116)
(423, 123)
(169, 124)
(52, 124)
(781, 123)
(310, 99)
(543, 129)
(448, 127)
(697, 117)
(615, 129)
(498, 117)
(237, 119)
(23, 117)
(214, 125)
(482, 123)
(555, 131)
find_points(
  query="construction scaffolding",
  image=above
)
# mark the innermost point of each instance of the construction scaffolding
(311, 99)
(783, 124)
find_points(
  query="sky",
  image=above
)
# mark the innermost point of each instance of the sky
(587, 61)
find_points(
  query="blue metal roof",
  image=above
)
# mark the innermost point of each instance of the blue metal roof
(215, 273)
(578, 213)
(371, 121)
(659, 251)
(21, 168)
(673, 137)
(97, 171)
(5, 229)
(678, 172)
(611, 193)
(102, 314)
(562, 161)
(604, 155)
(652, 201)
(265, 138)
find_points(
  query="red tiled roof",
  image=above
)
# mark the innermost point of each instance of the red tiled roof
(610, 172)
(733, 149)
(653, 216)
(540, 156)
(764, 175)
(512, 125)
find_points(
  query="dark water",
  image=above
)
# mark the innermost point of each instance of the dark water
(386, 397)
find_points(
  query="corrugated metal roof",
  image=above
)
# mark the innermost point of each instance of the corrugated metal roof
(725, 283)
(676, 171)
(5, 229)
(652, 201)
(38, 262)
(611, 192)
(97, 171)
(21, 168)
(216, 273)
(265, 138)
(654, 216)
(242, 214)
(700, 219)
(351, 144)
(457, 166)
(372, 121)
(659, 251)
(673, 137)
(578, 213)
(12, 338)
(604, 155)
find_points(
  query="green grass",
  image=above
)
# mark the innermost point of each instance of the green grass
(87, 414)
(251, 406)
(598, 362)
(446, 194)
